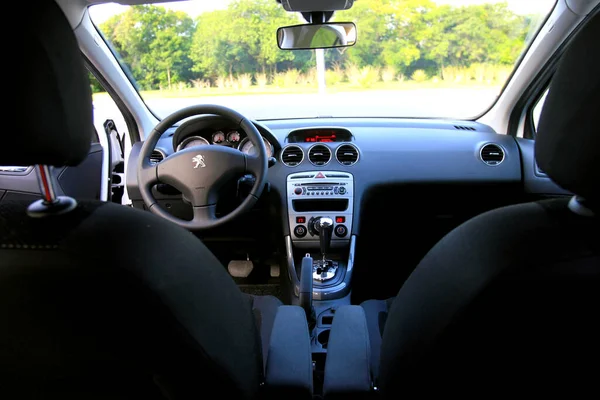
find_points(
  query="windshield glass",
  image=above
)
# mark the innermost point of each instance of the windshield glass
(412, 58)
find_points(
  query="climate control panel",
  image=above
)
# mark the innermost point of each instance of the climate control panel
(317, 194)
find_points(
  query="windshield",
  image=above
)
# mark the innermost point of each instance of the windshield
(412, 58)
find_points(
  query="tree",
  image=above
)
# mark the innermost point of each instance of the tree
(240, 39)
(154, 42)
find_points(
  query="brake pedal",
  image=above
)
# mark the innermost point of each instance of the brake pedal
(240, 268)
(274, 270)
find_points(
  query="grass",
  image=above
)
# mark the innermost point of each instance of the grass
(304, 89)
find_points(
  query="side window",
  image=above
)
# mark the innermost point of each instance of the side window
(105, 109)
(537, 110)
(113, 135)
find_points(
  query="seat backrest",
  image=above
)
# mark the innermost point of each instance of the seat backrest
(507, 303)
(104, 301)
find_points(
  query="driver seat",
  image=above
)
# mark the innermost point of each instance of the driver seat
(104, 301)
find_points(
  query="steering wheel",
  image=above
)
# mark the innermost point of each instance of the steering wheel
(200, 171)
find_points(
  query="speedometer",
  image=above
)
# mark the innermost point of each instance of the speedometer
(247, 147)
(191, 142)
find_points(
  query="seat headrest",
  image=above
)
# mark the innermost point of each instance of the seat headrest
(568, 138)
(54, 101)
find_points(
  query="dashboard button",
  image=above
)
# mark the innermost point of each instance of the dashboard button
(342, 190)
(300, 231)
(341, 230)
(335, 190)
(298, 190)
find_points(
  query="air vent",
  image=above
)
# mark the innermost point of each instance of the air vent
(492, 154)
(156, 157)
(464, 128)
(319, 154)
(347, 154)
(292, 156)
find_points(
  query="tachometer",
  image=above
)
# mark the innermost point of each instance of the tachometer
(233, 137)
(191, 142)
(218, 137)
(247, 147)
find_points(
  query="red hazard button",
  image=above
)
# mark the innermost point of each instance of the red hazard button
(320, 175)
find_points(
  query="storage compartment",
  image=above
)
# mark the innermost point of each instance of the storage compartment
(320, 205)
(323, 337)
(327, 320)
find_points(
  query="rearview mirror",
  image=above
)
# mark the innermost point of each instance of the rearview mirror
(316, 36)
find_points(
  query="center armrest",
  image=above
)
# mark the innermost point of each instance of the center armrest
(348, 363)
(289, 360)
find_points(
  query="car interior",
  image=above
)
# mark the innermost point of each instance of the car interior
(349, 257)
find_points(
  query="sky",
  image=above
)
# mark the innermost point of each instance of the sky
(102, 12)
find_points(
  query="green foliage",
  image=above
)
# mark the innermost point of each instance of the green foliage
(333, 77)
(236, 47)
(388, 74)
(94, 84)
(419, 76)
(154, 43)
(364, 77)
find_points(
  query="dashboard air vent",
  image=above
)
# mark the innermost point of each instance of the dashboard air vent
(319, 154)
(156, 157)
(292, 156)
(347, 154)
(464, 128)
(492, 154)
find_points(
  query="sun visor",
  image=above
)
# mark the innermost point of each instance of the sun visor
(316, 5)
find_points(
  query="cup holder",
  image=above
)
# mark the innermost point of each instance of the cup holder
(323, 337)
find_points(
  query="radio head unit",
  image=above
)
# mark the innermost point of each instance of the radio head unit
(317, 194)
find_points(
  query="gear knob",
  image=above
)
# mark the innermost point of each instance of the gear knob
(325, 227)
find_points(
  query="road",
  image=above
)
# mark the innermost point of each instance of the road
(443, 103)
(447, 103)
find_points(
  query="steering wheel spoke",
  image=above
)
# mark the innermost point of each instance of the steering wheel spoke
(254, 164)
(205, 214)
(148, 175)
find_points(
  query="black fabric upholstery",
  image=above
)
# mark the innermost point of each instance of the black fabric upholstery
(567, 145)
(111, 302)
(54, 101)
(289, 371)
(265, 309)
(505, 303)
(348, 363)
(376, 312)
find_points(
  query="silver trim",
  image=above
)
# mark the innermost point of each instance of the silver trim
(161, 152)
(247, 139)
(283, 150)
(576, 206)
(212, 138)
(189, 139)
(319, 144)
(347, 144)
(16, 170)
(494, 144)
(338, 291)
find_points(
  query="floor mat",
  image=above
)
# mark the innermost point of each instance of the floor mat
(262, 290)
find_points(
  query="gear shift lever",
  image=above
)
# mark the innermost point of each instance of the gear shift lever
(325, 230)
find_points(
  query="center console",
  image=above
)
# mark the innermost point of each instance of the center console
(320, 210)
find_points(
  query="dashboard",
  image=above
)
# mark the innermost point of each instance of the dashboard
(376, 152)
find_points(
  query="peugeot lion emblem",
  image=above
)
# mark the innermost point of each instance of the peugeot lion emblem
(199, 160)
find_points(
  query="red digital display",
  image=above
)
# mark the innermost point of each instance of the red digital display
(320, 136)
(340, 220)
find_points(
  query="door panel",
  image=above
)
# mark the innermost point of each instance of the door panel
(80, 182)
